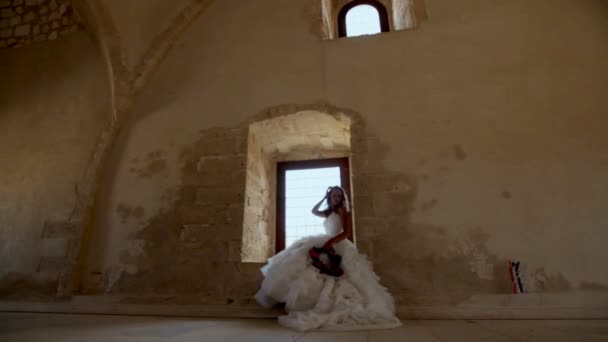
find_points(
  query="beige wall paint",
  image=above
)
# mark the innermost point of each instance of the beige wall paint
(55, 103)
(495, 98)
(497, 110)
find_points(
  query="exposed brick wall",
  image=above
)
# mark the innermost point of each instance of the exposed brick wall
(23, 22)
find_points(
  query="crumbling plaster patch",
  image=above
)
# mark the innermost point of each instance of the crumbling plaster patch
(200, 232)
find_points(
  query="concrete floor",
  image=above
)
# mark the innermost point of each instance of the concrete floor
(48, 327)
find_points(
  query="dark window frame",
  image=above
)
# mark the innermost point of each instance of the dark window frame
(282, 167)
(382, 14)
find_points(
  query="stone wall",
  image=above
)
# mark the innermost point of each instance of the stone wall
(55, 105)
(462, 149)
(258, 211)
(193, 246)
(23, 22)
(470, 145)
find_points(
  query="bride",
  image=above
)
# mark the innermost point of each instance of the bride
(349, 298)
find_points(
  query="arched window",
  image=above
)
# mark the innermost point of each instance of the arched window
(362, 17)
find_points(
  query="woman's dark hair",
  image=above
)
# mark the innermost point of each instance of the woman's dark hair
(331, 208)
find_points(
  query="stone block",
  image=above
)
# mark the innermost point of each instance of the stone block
(65, 30)
(54, 16)
(193, 252)
(216, 178)
(231, 194)
(59, 229)
(221, 251)
(7, 13)
(6, 33)
(228, 231)
(187, 194)
(29, 17)
(5, 3)
(31, 2)
(4, 23)
(242, 143)
(14, 21)
(192, 213)
(234, 250)
(196, 233)
(214, 146)
(22, 30)
(221, 166)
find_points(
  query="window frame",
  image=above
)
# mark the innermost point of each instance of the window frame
(382, 15)
(282, 167)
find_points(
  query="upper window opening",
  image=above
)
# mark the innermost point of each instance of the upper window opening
(362, 17)
(362, 20)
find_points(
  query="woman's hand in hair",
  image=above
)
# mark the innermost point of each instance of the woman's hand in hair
(315, 210)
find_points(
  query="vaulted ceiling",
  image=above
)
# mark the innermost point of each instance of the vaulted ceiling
(134, 36)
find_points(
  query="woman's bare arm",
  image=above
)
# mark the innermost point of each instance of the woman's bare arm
(315, 209)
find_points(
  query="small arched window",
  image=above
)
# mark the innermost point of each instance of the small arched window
(362, 17)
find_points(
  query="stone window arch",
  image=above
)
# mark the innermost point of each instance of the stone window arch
(381, 15)
(301, 135)
(395, 15)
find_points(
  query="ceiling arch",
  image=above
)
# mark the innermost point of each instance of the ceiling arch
(134, 37)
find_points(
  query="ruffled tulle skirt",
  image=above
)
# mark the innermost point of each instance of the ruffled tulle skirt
(319, 301)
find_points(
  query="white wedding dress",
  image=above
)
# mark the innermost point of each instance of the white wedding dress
(319, 301)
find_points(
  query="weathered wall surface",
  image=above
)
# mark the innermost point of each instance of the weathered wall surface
(25, 21)
(54, 103)
(499, 118)
(477, 138)
(257, 213)
(205, 112)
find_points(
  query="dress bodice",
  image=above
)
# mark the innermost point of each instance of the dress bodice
(333, 224)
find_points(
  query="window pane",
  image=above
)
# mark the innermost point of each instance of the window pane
(362, 19)
(303, 189)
